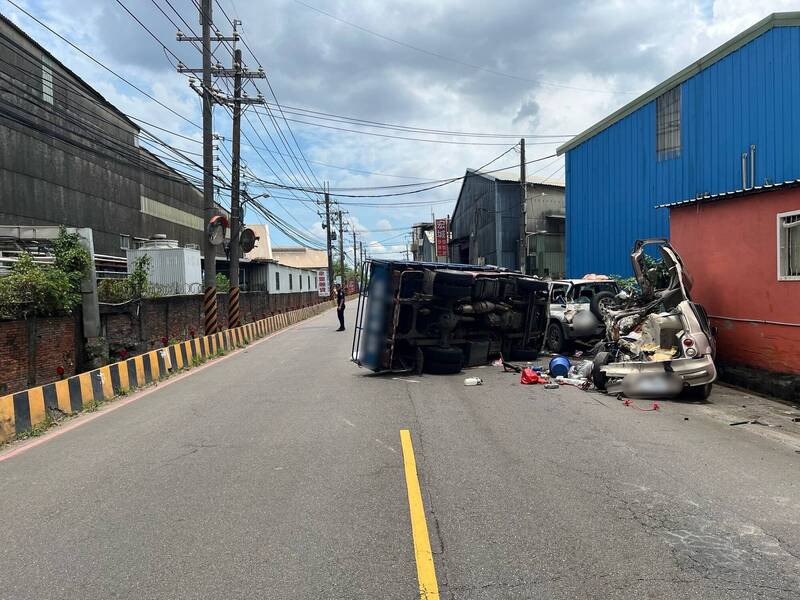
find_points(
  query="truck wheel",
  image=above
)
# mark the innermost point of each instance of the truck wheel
(599, 378)
(524, 354)
(555, 338)
(446, 290)
(442, 361)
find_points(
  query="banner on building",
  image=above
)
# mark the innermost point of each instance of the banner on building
(441, 237)
(322, 283)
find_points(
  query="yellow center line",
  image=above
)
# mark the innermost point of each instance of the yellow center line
(426, 574)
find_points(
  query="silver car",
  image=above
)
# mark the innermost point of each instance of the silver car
(658, 342)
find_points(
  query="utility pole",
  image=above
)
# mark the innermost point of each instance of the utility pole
(341, 244)
(209, 250)
(234, 313)
(355, 251)
(328, 234)
(523, 212)
(210, 95)
(361, 246)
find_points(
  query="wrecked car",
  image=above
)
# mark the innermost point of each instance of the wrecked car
(658, 341)
(575, 311)
(439, 318)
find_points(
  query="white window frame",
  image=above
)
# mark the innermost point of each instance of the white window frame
(47, 80)
(781, 243)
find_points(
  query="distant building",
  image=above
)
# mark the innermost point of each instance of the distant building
(419, 233)
(727, 122)
(485, 225)
(68, 156)
(281, 269)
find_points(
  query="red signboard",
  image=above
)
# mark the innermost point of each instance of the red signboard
(441, 237)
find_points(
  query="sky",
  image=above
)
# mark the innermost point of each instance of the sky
(518, 68)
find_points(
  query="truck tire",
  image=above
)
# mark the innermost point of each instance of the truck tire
(443, 361)
(446, 290)
(556, 340)
(599, 300)
(599, 378)
(457, 278)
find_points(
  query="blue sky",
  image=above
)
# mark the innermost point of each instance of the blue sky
(547, 69)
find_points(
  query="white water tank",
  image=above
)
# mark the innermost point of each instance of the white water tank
(173, 270)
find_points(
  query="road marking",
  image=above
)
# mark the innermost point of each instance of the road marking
(426, 574)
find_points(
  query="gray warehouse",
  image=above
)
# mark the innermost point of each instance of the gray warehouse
(67, 156)
(485, 224)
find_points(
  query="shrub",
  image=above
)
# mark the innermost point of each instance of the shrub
(223, 283)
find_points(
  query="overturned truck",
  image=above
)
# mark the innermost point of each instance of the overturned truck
(438, 318)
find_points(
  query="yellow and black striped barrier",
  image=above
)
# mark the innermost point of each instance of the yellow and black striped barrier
(25, 410)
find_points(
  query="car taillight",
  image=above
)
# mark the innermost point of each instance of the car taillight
(688, 342)
(691, 352)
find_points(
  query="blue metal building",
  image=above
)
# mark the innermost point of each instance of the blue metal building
(727, 122)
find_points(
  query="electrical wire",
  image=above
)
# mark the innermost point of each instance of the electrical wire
(458, 61)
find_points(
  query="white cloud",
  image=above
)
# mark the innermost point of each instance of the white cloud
(321, 64)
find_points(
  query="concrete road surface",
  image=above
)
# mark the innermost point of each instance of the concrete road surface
(278, 473)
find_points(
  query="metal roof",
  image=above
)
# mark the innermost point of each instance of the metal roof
(782, 19)
(758, 189)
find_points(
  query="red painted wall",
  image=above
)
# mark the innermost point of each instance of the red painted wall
(729, 247)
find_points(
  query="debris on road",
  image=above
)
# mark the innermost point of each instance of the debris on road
(531, 377)
(551, 386)
(559, 366)
(473, 381)
(582, 384)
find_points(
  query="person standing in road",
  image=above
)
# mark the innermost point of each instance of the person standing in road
(340, 306)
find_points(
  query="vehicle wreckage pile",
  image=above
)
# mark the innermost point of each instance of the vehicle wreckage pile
(439, 318)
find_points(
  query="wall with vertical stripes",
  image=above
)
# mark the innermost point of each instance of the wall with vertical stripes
(615, 179)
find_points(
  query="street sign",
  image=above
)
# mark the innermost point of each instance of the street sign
(441, 237)
(323, 285)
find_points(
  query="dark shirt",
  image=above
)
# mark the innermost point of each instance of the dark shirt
(340, 298)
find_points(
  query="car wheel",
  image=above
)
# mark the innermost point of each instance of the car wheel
(555, 338)
(600, 301)
(698, 392)
(599, 378)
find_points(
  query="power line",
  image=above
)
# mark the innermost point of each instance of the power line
(308, 113)
(412, 139)
(100, 64)
(456, 60)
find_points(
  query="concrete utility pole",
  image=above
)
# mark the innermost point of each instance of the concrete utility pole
(210, 96)
(523, 210)
(355, 251)
(209, 250)
(341, 244)
(361, 247)
(328, 233)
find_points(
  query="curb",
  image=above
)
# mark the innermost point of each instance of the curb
(22, 411)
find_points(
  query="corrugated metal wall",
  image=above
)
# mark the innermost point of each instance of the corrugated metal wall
(615, 179)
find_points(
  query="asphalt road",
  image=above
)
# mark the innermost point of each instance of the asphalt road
(278, 473)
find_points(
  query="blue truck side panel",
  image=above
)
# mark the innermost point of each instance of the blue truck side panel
(615, 179)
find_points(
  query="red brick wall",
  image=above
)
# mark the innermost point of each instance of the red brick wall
(135, 327)
(54, 342)
(729, 248)
(138, 328)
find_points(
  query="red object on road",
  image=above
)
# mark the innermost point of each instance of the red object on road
(529, 377)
